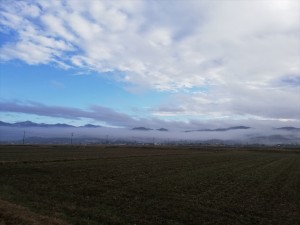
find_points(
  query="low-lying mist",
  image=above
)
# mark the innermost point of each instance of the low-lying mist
(119, 135)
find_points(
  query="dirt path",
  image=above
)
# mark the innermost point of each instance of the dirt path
(11, 214)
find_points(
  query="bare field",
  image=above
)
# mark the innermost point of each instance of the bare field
(148, 185)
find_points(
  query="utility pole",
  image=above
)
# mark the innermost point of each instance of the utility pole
(24, 137)
(72, 138)
(106, 139)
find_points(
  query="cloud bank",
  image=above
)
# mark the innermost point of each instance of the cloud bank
(112, 118)
(94, 112)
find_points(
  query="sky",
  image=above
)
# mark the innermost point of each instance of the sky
(126, 63)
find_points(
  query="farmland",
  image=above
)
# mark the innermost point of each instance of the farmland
(148, 185)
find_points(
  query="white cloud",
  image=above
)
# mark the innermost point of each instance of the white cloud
(27, 51)
(235, 102)
(238, 48)
(56, 28)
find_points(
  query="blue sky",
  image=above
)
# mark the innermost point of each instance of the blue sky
(58, 86)
(71, 88)
(148, 63)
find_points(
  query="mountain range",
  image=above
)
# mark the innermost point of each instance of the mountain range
(147, 129)
(288, 128)
(32, 124)
(222, 129)
(53, 133)
(63, 125)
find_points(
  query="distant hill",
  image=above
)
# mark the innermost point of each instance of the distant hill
(60, 125)
(274, 139)
(147, 129)
(222, 129)
(162, 129)
(27, 124)
(288, 128)
(91, 126)
(4, 124)
(32, 124)
(141, 128)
